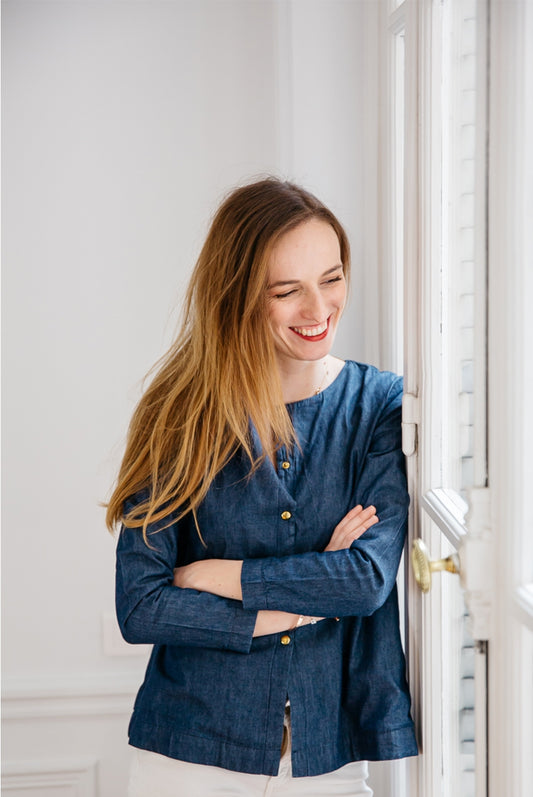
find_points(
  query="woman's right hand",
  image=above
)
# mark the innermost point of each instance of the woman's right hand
(351, 527)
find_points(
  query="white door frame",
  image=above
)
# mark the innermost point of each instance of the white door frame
(510, 427)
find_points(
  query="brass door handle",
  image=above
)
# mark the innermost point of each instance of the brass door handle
(423, 567)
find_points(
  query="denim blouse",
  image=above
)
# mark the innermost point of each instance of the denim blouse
(214, 695)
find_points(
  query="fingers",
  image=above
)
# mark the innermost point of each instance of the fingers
(351, 532)
(358, 513)
(351, 527)
(357, 517)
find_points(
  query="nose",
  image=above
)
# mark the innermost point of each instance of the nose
(313, 308)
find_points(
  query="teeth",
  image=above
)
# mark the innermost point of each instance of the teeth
(311, 332)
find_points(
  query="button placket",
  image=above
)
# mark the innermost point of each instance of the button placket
(287, 471)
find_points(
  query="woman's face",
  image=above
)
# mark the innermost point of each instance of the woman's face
(306, 291)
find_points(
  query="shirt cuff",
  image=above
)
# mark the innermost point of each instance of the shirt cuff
(242, 631)
(253, 586)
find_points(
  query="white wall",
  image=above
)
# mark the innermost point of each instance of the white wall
(330, 64)
(123, 124)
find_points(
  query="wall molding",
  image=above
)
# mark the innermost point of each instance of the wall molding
(46, 696)
(76, 777)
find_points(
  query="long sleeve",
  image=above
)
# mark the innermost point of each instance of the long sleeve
(355, 581)
(151, 610)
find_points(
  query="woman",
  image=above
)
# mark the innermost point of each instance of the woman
(251, 555)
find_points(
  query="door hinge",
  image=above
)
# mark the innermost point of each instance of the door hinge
(410, 421)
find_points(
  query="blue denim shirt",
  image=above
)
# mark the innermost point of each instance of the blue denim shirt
(214, 695)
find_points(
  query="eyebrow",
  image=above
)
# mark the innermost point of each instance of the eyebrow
(326, 273)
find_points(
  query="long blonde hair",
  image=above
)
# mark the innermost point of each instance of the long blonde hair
(220, 375)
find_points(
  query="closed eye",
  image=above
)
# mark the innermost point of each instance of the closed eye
(284, 295)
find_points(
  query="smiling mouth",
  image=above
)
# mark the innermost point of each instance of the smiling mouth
(312, 333)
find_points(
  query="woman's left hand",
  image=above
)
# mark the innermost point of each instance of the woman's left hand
(352, 526)
(218, 576)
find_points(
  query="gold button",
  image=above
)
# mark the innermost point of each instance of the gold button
(286, 515)
(285, 640)
(285, 465)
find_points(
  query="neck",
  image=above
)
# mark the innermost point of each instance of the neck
(300, 380)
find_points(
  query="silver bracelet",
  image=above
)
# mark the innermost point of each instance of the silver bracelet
(302, 618)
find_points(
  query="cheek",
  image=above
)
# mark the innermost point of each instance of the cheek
(340, 298)
(277, 318)
(273, 324)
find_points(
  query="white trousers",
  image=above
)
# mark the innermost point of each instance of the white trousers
(154, 775)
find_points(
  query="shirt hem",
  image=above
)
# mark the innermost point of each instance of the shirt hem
(309, 761)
